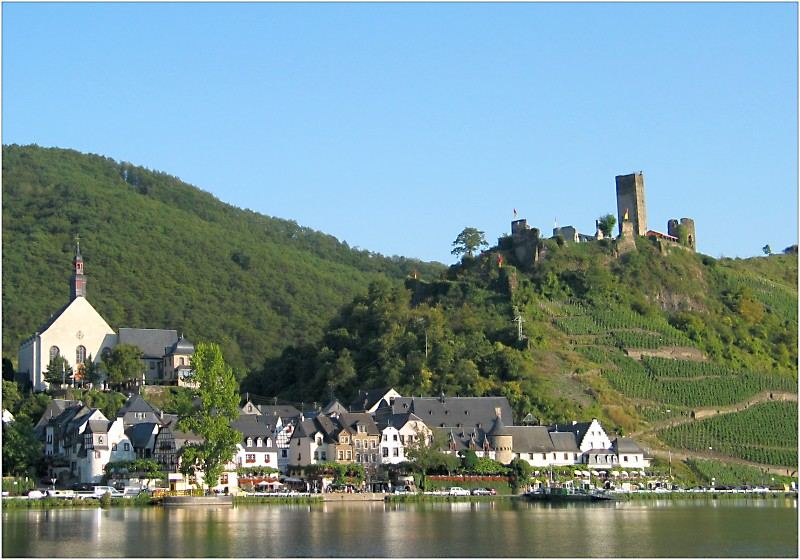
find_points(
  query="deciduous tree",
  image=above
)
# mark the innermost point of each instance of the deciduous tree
(218, 394)
(606, 224)
(124, 364)
(469, 241)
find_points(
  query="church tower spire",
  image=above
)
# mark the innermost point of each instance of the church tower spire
(78, 280)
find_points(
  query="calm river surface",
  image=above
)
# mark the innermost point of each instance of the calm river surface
(669, 528)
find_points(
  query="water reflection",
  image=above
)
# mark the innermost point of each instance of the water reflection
(452, 529)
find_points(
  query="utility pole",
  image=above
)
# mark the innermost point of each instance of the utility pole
(519, 319)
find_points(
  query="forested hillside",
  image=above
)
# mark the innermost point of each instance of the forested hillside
(161, 253)
(676, 348)
(642, 341)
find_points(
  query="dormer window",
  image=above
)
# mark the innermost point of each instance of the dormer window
(259, 442)
(249, 442)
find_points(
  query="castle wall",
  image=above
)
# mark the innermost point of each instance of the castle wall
(688, 225)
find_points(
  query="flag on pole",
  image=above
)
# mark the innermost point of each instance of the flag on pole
(500, 261)
(515, 213)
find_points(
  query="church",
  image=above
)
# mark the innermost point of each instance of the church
(77, 331)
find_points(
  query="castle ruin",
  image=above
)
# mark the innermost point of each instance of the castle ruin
(526, 243)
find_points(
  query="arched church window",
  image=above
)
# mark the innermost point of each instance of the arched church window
(54, 353)
(80, 354)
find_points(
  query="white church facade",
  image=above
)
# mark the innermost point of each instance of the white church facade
(77, 331)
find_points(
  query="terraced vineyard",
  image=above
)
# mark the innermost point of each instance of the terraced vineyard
(779, 299)
(765, 433)
(729, 474)
(622, 328)
(663, 367)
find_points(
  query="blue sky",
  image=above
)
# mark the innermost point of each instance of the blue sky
(394, 126)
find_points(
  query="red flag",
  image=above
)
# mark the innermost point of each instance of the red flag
(499, 261)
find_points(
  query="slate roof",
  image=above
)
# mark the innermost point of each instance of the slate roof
(395, 420)
(54, 408)
(530, 439)
(564, 441)
(152, 342)
(627, 445)
(499, 429)
(353, 419)
(578, 428)
(137, 403)
(369, 398)
(333, 407)
(53, 318)
(456, 412)
(97, 426)
(181, 346)
(283, 411)
(321, 424)
(140, 434)
(251, 425)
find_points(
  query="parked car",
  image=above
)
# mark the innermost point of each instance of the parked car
(484, 492)
(457, 491)
(36, 494)
(98, 491)
(133, 491)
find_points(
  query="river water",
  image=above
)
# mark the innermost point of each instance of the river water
(502, 528)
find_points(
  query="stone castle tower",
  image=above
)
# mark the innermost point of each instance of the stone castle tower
(630, 201)
(688, 226)
(502, 441)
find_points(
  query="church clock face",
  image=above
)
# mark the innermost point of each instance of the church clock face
(79, 335)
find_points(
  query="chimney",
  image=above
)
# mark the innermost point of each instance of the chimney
(498, 412)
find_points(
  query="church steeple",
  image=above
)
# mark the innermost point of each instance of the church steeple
(78, 280)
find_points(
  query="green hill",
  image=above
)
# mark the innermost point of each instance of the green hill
(162, 254)
(677, 348)
(643, 341)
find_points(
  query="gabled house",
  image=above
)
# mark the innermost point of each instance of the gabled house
(283, 418)
(629, 454)
(80, 441)
(398, 431)
(588, 435)
(256, 448)
(365, 437)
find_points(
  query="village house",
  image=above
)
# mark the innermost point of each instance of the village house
(398, 431)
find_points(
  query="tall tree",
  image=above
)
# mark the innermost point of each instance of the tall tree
(468, 241)
(218, 394)
(58, 371)
(606, 224)
(124, 364)
(90, 372)
(22, 451)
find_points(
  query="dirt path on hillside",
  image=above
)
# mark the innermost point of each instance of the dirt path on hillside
(708, 412)
(711, 411)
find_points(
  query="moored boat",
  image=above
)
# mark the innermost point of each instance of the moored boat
(568, 495)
